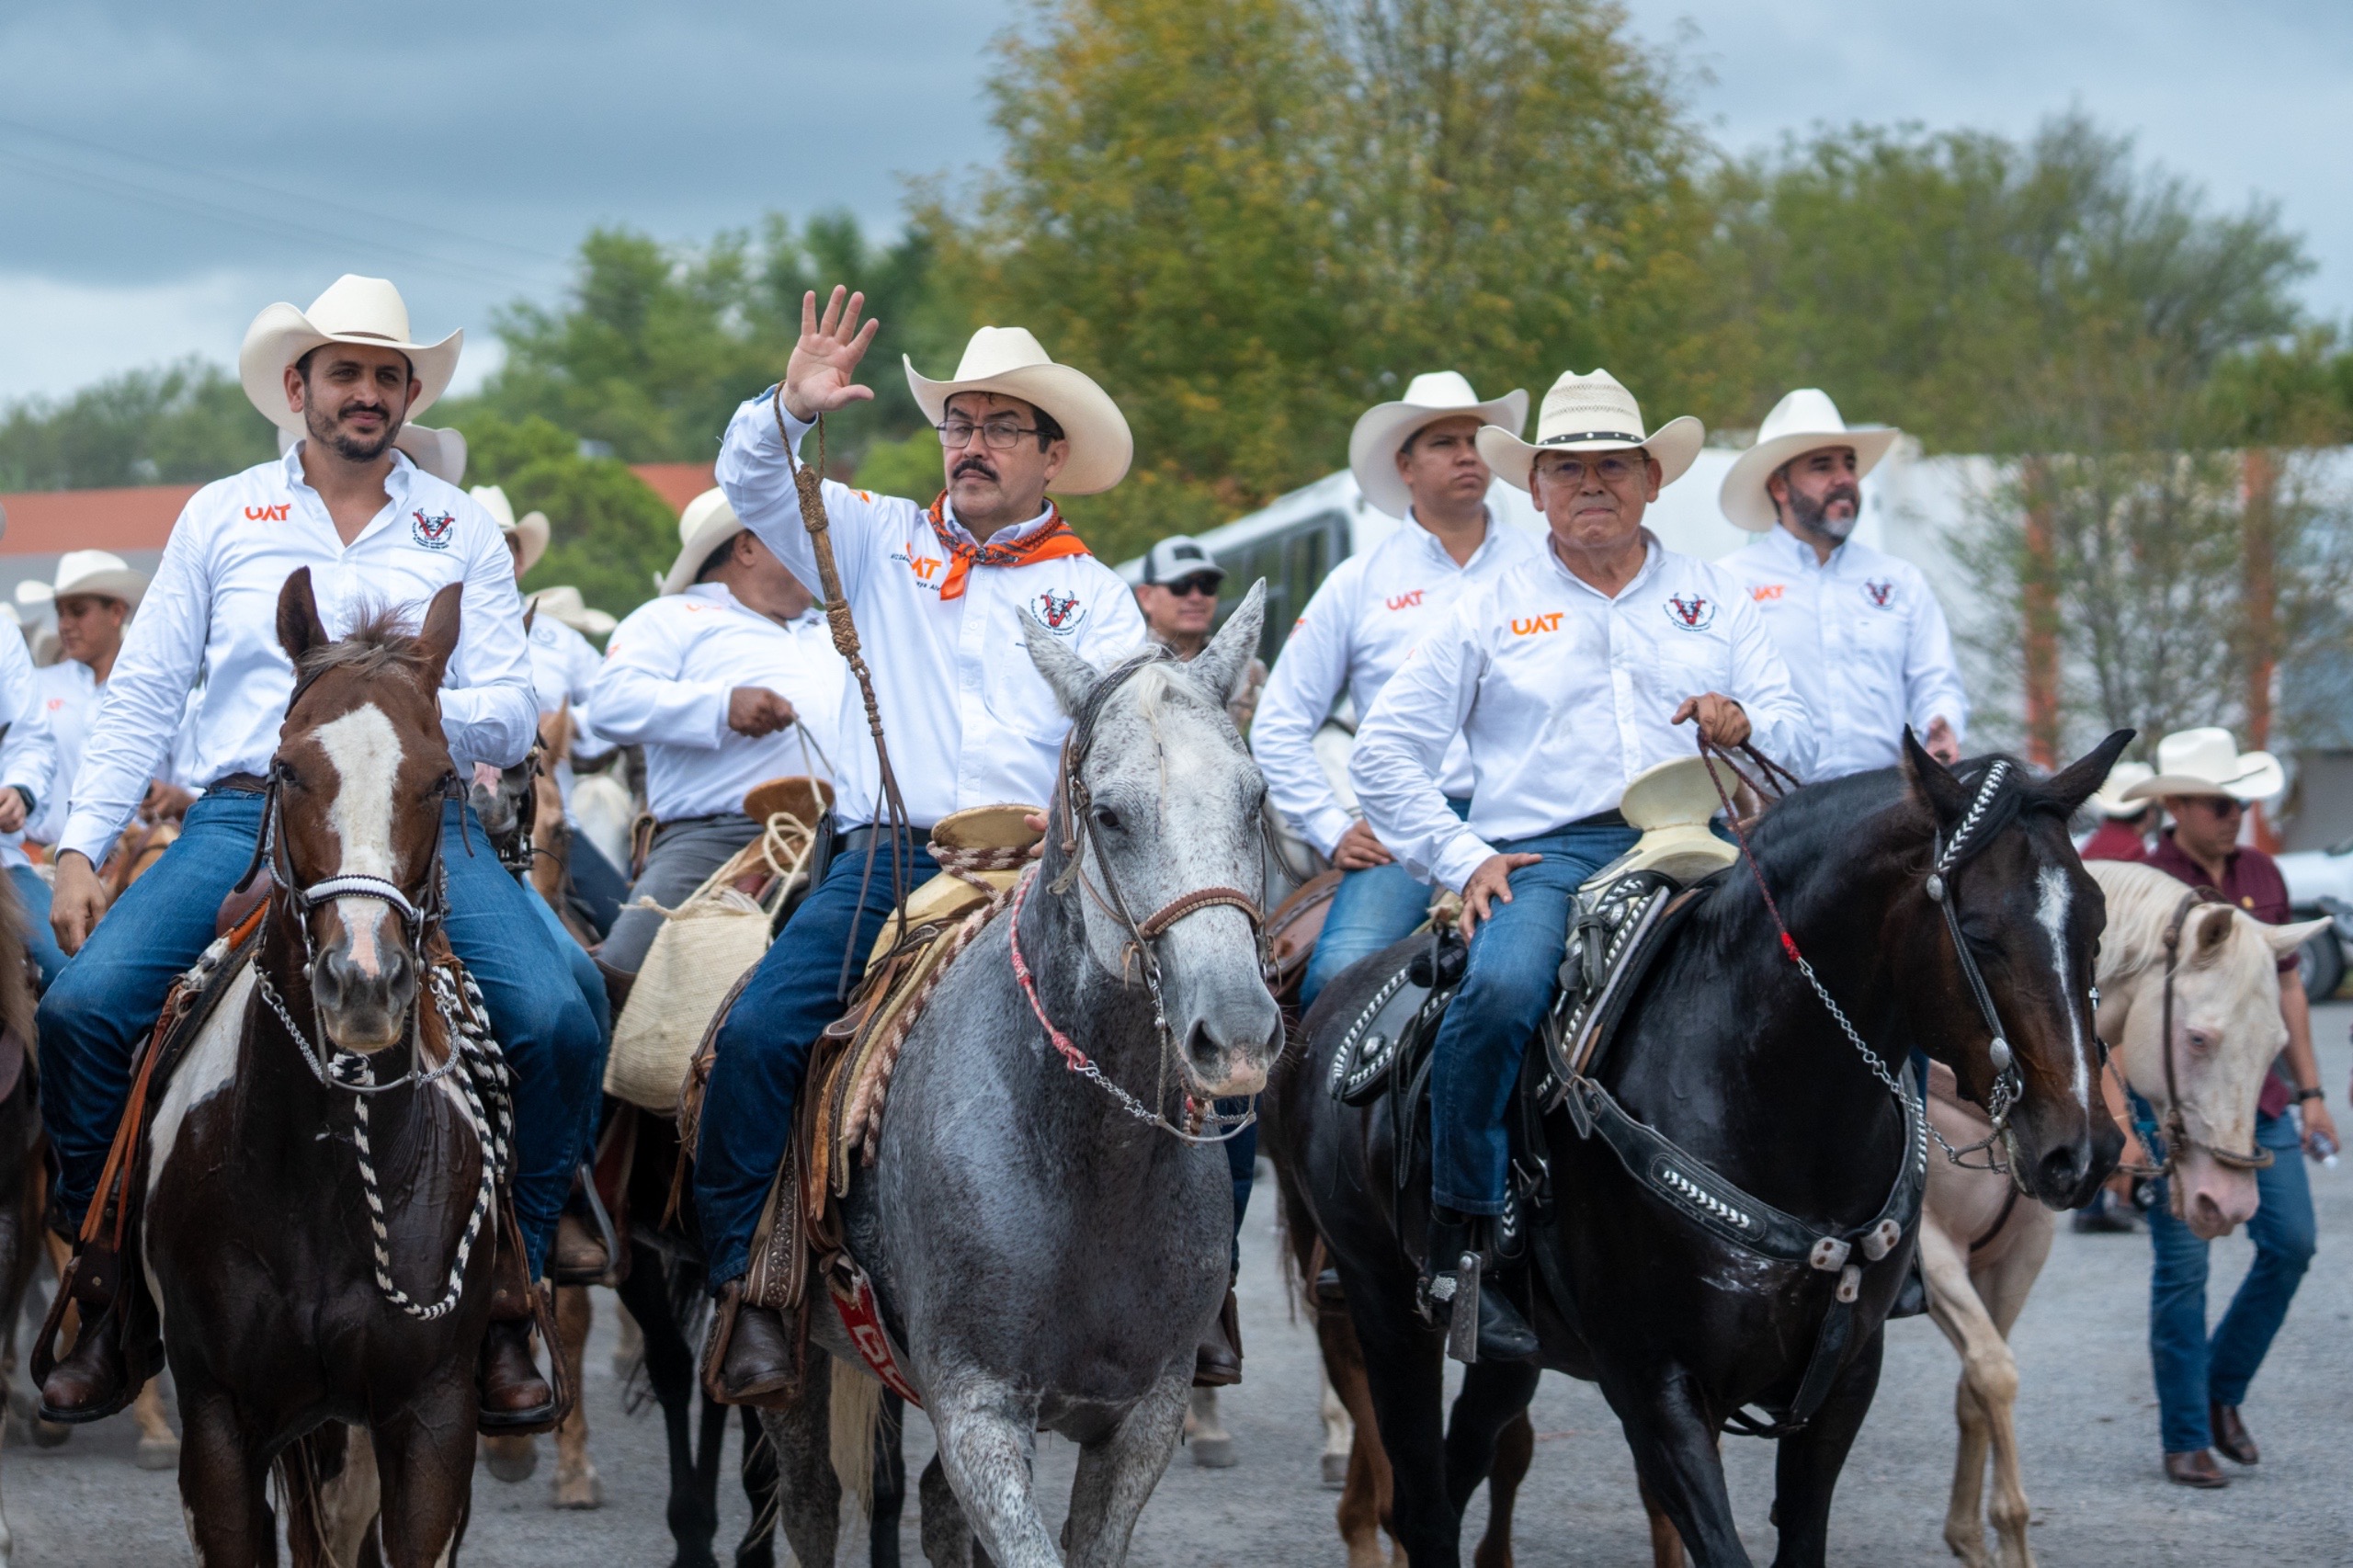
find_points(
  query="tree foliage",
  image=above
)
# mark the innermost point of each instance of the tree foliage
(612, 536)
(183, 423)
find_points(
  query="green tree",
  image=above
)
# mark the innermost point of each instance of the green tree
(612, 536)
(189, 422)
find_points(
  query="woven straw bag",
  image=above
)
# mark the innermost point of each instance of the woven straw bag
(716, 933)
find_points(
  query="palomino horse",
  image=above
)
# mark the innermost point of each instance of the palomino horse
(1047, 1235)
(1983, 1249)
(270, 1176)
(1727, 1049)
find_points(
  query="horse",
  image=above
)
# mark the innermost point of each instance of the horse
(1046, 1219)
(1983, 1250)
(24, 1176)
(1759, 1042)
(267, 1178)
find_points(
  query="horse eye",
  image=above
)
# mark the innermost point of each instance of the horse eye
(1104, 817)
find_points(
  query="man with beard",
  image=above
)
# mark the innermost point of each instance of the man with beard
(1864, 638)
(373, 529)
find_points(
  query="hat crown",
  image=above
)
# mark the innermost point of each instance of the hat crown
(993, 350)
(1805, 411)
(2209, 752)
(493, 499)
(562, 601)
(706, 510)
(1582, 405)
(75, 564)
(1440, 389)
(354, 306)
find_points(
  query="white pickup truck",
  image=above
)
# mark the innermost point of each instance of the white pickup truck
(2320, 882)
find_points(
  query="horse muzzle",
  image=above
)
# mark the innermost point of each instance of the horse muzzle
(2212, 1198)
(1231, 1047)
(2060, 1154)
(363, 992)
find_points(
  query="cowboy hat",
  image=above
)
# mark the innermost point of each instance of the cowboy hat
(532, 531)
(1592, 414)
(353, 310)
(441, 453)
(1008, 359)
(2208, 762)
(1803, 422)
(706, 524)
(1384, 428)
(2108, 799)
(564, 605)
(96, 573)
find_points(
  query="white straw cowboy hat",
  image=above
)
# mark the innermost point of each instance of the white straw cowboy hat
(2108, 799)
(1803, 422)
(441, 453)
(564, 603)
(98, 572)
(706, 524)
(1592, 414)
(1008, 359)
(532, 531)
(353, 310)
(1385, 427)
(2208, 762)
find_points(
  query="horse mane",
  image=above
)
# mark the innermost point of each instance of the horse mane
(381, 643)
(1819, 819)
(2141, 901)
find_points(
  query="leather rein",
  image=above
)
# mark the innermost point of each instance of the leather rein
(2168, 1141)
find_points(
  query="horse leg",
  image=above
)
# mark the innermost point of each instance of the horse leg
(224, 1484)
(575, 1485)
(808, 1494)
(1677, 1461)
(1953, 1302)
(987, 1438)
(758, 1547)
(1365, 1485)
(425, 1463)
(159, 1448)
(1493, 1394)
(1806, 1471)
(1118, 1472)
(1666, 1547)
(1406, 1373)
(670, 1373)
(2004, 1290)
(947, 1534)
(890, 1484)
(1340, 1433)
(1211, 1444)
(1515, 1452)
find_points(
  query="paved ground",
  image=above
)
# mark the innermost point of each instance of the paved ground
(2086, 1419)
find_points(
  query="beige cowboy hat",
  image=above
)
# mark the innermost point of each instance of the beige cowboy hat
(1385, 427)
(98, 572)
(353, 310)
(2108, 799)
(532, 531)
(2208, 762)
(1592, 414)
(564, 605)
(706, 524)
(1803, 422)
(441, 453)
(1008, 359)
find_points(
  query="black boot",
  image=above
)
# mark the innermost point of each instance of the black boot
(1456, 1265)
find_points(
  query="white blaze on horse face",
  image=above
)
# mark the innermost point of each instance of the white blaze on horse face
(365, 753)
(2056, 894)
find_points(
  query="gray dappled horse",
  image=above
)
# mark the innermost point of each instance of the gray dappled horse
(1050, 1256)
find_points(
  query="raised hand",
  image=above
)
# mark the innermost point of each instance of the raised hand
(817, 377)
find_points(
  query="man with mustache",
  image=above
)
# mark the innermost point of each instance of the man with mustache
(1862, 634)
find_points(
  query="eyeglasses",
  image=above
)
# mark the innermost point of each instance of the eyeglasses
(2220, 805)
(1614, 469)
(1000, 434)
(1185, 587)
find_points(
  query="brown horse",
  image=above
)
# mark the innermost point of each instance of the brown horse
(312, 1149)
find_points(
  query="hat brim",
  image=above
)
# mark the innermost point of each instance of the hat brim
(1101, 447)
(533, 532)
(2260, 777)
(1383, 430)
(1743, 494)
(126, 585)
(720, 527)
(281, 334)
(1672, 445)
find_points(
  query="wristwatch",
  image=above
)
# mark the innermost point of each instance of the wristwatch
(2315, 1093)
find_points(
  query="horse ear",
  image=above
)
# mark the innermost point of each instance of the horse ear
(1222, 666)
(300, 629)
(2213, 932)
(2073, 785)
(440, 634)
(1933, 782)
(1071, 676)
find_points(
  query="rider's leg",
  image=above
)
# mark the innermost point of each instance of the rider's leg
(683, 856)
(40, 942)
(601, 887)
(1370, 910)
(1218, 1360)
(2284, 1236)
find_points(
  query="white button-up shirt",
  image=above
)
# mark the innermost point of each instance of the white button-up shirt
(212, 612)
(564, 667)
(969, 720)
(670, 670)
(1356, 631)
(1563, 696)
(27, 752)
(1865, 641)
(69, 694)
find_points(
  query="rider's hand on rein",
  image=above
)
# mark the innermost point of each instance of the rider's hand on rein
(1722, 721)
(77, 902)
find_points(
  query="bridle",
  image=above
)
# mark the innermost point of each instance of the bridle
(2168, 1141)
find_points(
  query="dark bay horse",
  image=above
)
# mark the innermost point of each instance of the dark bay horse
(1725, 1049)
(259, 1244)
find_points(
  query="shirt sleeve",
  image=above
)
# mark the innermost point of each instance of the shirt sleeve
(640, 697)
(1307, 678)
(29, 752)
(1932, 685)
(1778, 724)
(584, 664)
(1400, 753)
(756, 463)
(490, 711)
(145, 699)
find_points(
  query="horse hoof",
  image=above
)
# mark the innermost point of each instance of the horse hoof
(1336, 1472)
(158, 1453)
(1213, 1453)
(511, 1459)
(49, 1433)
(581, 1491)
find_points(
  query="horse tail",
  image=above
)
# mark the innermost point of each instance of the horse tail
(856, 1411)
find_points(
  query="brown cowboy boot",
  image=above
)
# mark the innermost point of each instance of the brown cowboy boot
(1218, 1361)
(100, 1375)
(759, 1366)
(514, 1396)
(2231, 1439)
(579, 1257)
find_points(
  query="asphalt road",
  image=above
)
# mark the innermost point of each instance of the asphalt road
(2086, 1420)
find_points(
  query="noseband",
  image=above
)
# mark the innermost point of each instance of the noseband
(2167, 1141)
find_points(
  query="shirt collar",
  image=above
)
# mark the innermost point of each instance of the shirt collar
(1653, 553)
(1796, 552)
(1002, 536)
(396, 483)
(713, 593)
(1436, 547)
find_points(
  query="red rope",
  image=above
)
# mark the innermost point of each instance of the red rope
(1709, 756)
(1073, 1058)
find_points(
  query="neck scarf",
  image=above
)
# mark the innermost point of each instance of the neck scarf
(1050, 544)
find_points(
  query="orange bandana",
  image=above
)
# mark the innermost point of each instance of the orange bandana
(1050, 544)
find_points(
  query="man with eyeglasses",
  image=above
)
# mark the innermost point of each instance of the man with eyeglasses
(1178, 599)
(1565, 677)
(945, 597)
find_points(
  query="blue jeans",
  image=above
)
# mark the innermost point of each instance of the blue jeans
(1514, 964)
(599, 888)
(1372, 909)
(2191, 1366)
(763, 1048)
(40, 942)
(109, 994)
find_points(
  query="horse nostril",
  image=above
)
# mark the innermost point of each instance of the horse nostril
(2058, 1171)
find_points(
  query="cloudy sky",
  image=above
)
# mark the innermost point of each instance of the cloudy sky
(168, 169)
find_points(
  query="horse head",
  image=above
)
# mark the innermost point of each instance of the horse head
(2021, 910)
(1166, 831)
(357, 788)
(2227, 1029)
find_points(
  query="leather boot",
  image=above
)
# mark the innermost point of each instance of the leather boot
(619, 983)
(1217, 1363)
(98, 1378)
(758, 1368)
(2196, 1469)
(579, 1257)
(514, 1396)
(2231, 1436)
(1501, 1334)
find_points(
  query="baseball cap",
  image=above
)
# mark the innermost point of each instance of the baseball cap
(1177, 557)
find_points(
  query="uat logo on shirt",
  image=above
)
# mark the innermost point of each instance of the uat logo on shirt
(1530, 626)
(277, 513)
(1693, 614)
(1765, 593)
(433, 532)
(1061, 610)
(1405, 601)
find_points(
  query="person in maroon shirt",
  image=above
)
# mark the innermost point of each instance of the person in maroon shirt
(2125, 825)
(2205, 782)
